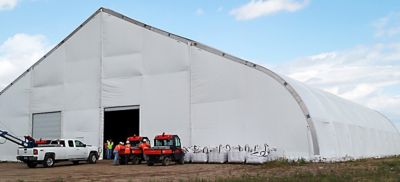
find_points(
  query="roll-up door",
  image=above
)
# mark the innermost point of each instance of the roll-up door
(46, 125)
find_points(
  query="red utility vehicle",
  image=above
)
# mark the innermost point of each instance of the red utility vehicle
(166, 148)
(136, 156)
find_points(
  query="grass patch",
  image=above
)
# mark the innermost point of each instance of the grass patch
(59, 179)
(359, 170)
(285, 163)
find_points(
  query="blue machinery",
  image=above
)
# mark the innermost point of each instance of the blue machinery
(29, 142)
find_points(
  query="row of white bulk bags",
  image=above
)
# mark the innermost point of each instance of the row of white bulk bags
(235, 154)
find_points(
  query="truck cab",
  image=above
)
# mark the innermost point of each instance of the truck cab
(48, 153)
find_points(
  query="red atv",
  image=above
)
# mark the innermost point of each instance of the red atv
(166, 148)
(135, 155)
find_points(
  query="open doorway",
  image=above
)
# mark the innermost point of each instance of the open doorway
(120, 123)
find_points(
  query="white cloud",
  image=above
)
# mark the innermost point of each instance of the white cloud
(18, 53)
(362, 74)
(8, 4)
(388, 26)
(199, 12)
(368, 74)
(257, 8)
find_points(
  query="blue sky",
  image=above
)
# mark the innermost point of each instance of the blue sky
(320, 26)
(349, 48)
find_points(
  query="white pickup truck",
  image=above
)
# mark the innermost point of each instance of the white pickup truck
(56, 151)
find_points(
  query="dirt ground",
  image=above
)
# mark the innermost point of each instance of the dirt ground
(104, 171)
(363, 170)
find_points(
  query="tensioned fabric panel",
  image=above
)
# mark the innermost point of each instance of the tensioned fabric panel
(141, 67)
(122, 62)
(68, 80)
(165, 105)
(47, 88)
(14, 115)
(83, 68)
(86, 127)
(357, 131)
(234, 104)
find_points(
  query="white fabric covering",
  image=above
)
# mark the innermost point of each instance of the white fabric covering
(206, 97)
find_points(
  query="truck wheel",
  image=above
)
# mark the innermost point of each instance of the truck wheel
(136, 160)
(75, 162)
(121, 160)
(165, 161)
(48, 161)
(181, 161)
(92, 158)
(31, 164)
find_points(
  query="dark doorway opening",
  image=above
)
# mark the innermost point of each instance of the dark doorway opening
(120, 124)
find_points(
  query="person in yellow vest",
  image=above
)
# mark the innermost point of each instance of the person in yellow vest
(110, 145)
(127, 152)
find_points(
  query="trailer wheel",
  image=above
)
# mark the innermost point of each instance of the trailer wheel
(31, 164)
(48, 161)
(165, 161)
(92, 158)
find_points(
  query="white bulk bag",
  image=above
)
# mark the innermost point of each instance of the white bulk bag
(200, 156)
(256, 158)
(218, 155)
(275, 154)
(188, 154)
(237, 155)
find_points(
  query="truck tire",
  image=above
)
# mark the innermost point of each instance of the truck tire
(31, 164)
(165, 161)
(92, 159)
(181, 161)
(121, 160)
(150, 163)
(135, 160)
(48, 161)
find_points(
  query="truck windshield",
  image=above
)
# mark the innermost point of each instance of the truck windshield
(79, 144)
(164, 143)
(135, 143)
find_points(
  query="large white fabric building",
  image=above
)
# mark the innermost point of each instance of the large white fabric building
(114, 76)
